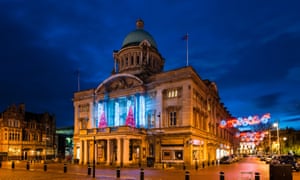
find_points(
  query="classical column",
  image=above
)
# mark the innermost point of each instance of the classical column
(125, 151)
(108, 149)
(85, 152)
(205, 150)
(119, 151)
(81, 151)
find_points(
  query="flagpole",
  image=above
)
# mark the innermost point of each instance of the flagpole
(187, 49)
(78, 80)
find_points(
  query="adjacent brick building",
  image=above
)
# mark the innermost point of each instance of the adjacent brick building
(25, 135)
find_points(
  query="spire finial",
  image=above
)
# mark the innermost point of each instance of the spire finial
(140, 24)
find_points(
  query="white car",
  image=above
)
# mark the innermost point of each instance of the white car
(268, 159)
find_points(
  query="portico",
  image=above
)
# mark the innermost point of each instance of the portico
(113, 149)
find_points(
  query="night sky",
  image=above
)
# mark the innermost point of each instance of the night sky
(251, 49)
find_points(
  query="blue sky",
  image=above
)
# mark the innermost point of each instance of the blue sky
(251, 49)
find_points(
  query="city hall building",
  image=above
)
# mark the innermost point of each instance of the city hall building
(142, 115)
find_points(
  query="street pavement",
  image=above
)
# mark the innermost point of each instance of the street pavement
(242, 170)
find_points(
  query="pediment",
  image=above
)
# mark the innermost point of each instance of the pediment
(119, 82)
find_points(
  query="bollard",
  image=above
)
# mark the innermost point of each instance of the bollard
(203, 165)
(13, 165)
(187, 175)
(45, 166)
(94, 169)
(142, 174)
(89, 169)
(65, 168)
(118, 172)
(27, 165)
(257, 176)
(222, 176)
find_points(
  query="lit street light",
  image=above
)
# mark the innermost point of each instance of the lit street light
(277, 129)
(284, 144)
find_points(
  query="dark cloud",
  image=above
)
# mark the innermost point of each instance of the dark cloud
(267, 101)
(266, 62)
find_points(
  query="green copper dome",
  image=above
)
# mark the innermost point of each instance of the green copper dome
(138, 35)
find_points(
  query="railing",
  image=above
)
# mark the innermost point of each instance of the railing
(112, 130)
(32, 143)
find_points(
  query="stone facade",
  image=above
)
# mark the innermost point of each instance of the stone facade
(143, 115)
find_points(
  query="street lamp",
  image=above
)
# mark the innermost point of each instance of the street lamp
(94, 157)
(284, 144)
(277, 129)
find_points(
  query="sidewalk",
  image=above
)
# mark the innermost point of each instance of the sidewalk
(236, 171)
(56, 171)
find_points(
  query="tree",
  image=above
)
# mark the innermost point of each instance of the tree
(130, 119)
(103, 122)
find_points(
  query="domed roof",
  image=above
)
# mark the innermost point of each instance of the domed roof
(138, 35)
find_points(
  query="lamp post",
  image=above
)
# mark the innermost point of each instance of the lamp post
(94, 157)
(270, 148)
(284, 143)
(277, 129)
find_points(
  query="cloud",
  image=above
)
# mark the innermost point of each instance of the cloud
(262, 63)
(267, 101)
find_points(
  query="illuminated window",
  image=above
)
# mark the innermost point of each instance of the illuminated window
(172, 118)
(172, 93)
(84, 108)
(151, 119)
(194, 96)
(83, 124)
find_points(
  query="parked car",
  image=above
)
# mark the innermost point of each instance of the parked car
(275, 160)
(235, 158)
(289, 159)
(226, 160)
(262, 158)
(268, 159)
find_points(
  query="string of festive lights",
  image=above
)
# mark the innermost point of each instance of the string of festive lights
(246, 121)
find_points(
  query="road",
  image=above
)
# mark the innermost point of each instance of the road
(244, 169)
